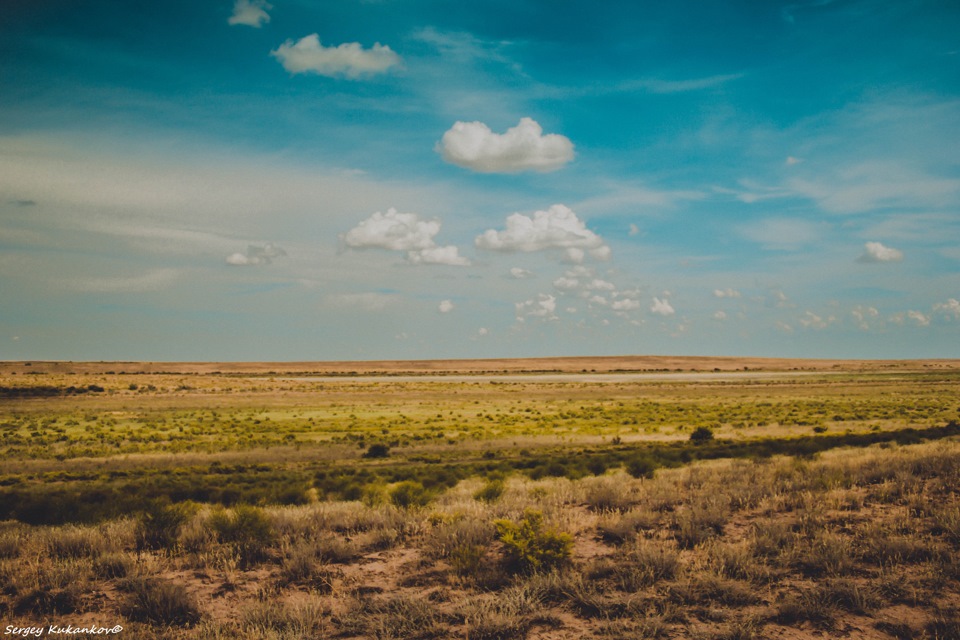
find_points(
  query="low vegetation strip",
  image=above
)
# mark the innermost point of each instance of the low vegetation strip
(90, 496)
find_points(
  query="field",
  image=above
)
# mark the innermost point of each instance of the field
(559, 498)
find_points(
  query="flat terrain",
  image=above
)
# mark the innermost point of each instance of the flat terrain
(629, 497)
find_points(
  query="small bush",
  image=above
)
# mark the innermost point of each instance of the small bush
(530, 546)
(409, 494)
(248, 530)
(490, 492)
(377, 450)
(159, 525)
(160, 602)
(701, 434)
(641, 466)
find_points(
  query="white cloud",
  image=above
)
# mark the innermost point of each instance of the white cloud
(256, 255)
(473, 145)
(363, 301)
(544, 306)
(482, 331)
(791, 161)
(252, 13)
(720, 315)
(445, 306)
(951, 307)
(556, 228)
(404, 232)
(863, 316)
(662, 307)
(520, 274)
(813, 321)
(726, 293)
(349, 59)
(625, 304)
(876, 252)
(920, 319)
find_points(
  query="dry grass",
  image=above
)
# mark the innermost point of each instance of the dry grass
(718, 550)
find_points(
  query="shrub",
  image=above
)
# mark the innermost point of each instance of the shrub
(701, 434)
(641, 466)
(159, 525)
(248, 530)
(409, 493)
(530, 546)
(160, 602)
(377, 450)
(490, 492)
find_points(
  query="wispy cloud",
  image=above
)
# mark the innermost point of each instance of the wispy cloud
(256, 255)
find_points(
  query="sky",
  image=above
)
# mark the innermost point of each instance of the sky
(413, 179)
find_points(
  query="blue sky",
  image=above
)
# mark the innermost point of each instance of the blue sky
(368, 179)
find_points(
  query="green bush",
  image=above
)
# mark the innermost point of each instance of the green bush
(490, 492)
(641, 466)
(160, 524)
(530, 546)
(248, 530)
(409, 493)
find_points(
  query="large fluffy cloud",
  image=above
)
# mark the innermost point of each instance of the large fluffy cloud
(252, 13)
(349, 59)
(404, 232)
(876, 252)
(556, 228)
(522, 148)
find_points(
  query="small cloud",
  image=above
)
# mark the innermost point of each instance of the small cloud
(918, 318)
(256, 255)
(556, 228)
(483, 331)
(404, 232)
(520, 274)
(951, 308)
(252, 13)
(371, 301)
(349, 59)
(864, 315)
(544, 307)
(625, 304)
(791, 161)
(811, 320)
(15, 338)
(474, 146)
(876, 252)
(783, 326)
(720, 315)
(662, 307)
(726, 293)
(634, 230)
(445, 306)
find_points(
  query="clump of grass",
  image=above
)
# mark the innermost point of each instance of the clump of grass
(646, 563)
(160, 602)
(621, 528)
(159, 525)
(113, 565)
(74, 542)
(699, 522)
(302, 566)
(247, 530)
(490, 492)
(532, 546)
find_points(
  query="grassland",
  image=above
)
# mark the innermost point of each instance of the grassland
(563, 498)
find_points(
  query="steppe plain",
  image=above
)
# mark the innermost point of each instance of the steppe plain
(625, 497)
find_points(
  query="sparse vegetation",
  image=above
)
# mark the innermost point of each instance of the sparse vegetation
(598, 514)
